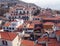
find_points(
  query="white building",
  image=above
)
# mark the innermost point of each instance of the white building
(11, 26)
(9, 39)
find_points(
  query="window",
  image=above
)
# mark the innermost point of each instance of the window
(12, 11)
(9, 17)
(4, 42)
(15, 16)
(27, 12)
(3, 27)
(7, 27)
(38, 18)
(12, 28)
(11, 14)
(19, 17)
(33, 18)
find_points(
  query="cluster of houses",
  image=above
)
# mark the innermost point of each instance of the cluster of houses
(29, 25)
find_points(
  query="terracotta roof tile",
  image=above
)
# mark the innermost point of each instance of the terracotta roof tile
(8, 35)
(27, 43)
(51, 41)
(48, 23)
(7, 24)
(58, 33)
(36, 17)
(51, 44)
(50, 18)
(43, 39)
(36, 22)
(38, 45)
(58, 24)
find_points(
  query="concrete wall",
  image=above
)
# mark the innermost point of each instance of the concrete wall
(16, 42)
(8, 42)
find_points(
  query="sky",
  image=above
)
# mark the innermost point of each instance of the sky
(53, 4)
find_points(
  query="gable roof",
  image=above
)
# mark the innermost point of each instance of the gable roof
(8, 35)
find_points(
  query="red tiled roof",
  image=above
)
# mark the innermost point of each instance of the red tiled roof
(36, 17)
(43, 39)
(36, 22)
(51, 41)
(48, 23)
(27, 43)
(50, 18)
(57, 44)
(38, 45)
(8, 35)
(58, 33)
(58, 24)
(51, 44)
(7, 24)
